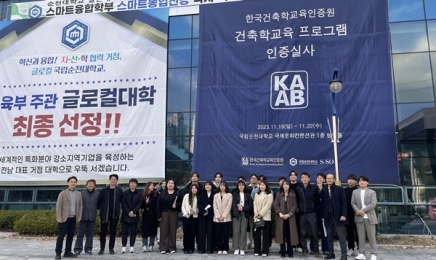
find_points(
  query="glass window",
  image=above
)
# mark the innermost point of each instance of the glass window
(433, 62)
(2, 195)
(412, 75)
(19, 206)
(179, 86)
(430, 9)
(409, 37)
(195, 52)
(179, 171)
(422, 195)
(406, 110)
(179, 53)
(388, 194)
(177, 148)
(178, 124)
(405, 10)
(46, 206)
(180, 27)
(431, 25)
(194, 89)
(20, 195)
(196, 26)
(47, 195)
(392, 218)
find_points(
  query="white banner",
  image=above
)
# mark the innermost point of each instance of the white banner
(77, 100)
(40, 9)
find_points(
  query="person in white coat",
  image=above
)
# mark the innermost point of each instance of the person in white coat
(363, 202)
(190, 219)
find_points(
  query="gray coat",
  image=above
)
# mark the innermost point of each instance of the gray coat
(90, 205)
(370, 203)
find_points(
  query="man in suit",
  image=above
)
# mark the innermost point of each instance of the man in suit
(334, 215)
(363, 202)
(68, 212)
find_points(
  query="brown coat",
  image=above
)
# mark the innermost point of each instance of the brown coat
(279, 207)
(63, 205)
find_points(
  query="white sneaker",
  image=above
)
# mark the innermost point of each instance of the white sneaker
(373, 257)
(256, 254)
(361, 256)
(150, 248)
(242, 252)
(236, 252)
(123, 250)
(144, 249)
(172, 252)
(350, 252)
(132, 250)
(163, 252)
(220, 252)
(264, 255)
(224, 252)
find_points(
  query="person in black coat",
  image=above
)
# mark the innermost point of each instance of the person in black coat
(205, 216)
(242, 205)
(109, 201)
(131, 204)
(334, 204)
(149, 217)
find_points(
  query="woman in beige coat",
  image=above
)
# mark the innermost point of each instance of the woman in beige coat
(262, 210)
(286, 233)
(222, 205)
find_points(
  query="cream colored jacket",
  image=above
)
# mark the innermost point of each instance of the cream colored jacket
(262, 205)
(222, 207)
(186, 207)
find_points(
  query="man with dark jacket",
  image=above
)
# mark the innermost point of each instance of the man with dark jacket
(109, 200)
(351, 226)
(308, 201)
(334, 215)
(89, 214)
(131, 203)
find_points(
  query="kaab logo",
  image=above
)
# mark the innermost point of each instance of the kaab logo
(75, 35)
(293, 161)
(289, 90)
(35, 11)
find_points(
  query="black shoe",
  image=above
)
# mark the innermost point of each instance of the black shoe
(111, 252)
(209, 252)
(185, 252)
(58, 256)
(190, 252)
(344, 257)
(101, 252)
(326, 253)
(201, 252)
(70, 255)
(282, 256)
(89, 252)
(330, 256)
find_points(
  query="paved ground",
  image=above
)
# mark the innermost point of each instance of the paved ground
(14, 247)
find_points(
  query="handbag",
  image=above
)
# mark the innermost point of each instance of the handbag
(258, 223)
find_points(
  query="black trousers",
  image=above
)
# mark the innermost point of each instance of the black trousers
(112, 224)
(85, 228)
(222, 234)
(341, 236)
(309, 220)
(190, 226)
(262, 239)
(125, 233)
(205, 235)
(286, 247)
(66, 228)
(352, 234)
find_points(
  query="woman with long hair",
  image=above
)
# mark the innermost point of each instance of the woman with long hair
(168, 205)
(285, 206)
(262, 212)
(205, 218)
(149, 217)
(241, 209)
(190, 219)
(222, 205)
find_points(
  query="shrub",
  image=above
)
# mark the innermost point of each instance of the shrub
(8, 218)
(37, 222)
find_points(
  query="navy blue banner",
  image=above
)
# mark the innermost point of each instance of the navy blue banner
(264, 104)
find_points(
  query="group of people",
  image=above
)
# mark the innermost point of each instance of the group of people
(211, 212)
